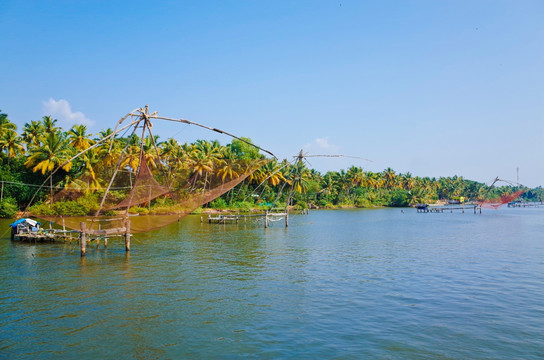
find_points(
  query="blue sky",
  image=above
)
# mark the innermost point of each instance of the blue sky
(435, 88)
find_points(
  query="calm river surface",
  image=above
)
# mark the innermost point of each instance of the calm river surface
(349, 284)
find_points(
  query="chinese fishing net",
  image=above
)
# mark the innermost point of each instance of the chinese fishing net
(498, 201)
(127, 183)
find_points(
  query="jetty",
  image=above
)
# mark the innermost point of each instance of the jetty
(519, 204)
(29, 230)
(223, 219)
(268, 216)
(426, 208)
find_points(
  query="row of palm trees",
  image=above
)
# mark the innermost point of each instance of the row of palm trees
(43, 146)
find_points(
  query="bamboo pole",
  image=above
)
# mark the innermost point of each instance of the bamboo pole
(83, 240)
(127, 234)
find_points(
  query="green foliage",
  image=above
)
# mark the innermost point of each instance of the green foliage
(219, 204)
(90, 201)
(8, 208)
(399, 198)
(138, 210)
(64, 208)
(244, 151)
(243, 205)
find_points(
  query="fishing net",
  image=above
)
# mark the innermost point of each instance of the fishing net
(184, 203)
(113, 185)
(497, 202)
(178, 193)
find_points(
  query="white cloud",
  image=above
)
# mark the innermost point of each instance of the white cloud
(62, 111)
(321, 144)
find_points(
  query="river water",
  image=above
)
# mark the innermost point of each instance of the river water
(348, 284)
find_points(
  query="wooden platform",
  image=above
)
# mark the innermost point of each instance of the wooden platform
(526, 204)
(449, 208)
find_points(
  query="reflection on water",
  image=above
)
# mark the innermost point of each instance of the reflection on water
(351, 283)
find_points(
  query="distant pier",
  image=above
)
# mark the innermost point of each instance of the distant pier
(425, 208)
(525, 204)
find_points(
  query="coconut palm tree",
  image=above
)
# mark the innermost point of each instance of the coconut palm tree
(390, 178)
(5, 124)
(49, 125)
(32, 132)
(11, 144)
(53, 153)
(79, 138)
(228, 167)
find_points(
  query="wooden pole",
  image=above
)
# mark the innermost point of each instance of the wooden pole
(266, 220)
(286, 217)
(63, 225)
(127, 234)
(83, 237)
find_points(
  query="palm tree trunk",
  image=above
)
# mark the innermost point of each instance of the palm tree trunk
(51, 188)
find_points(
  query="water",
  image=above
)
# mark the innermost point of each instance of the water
(348, 284)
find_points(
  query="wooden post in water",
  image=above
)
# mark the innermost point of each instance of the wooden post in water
(105, 242)
(286, 217)
(127, 234)
(266, 219)
(83, 236)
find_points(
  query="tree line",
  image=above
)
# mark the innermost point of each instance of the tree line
(28, 157)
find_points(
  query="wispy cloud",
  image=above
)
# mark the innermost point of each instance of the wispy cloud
(62, 111)
(321, 144)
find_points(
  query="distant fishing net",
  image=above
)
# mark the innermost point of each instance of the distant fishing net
(497, 202)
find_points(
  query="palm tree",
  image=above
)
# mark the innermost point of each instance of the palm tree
(228, 167)
(5, 124)
(390, 178)
(49, 125)
(272, 171)
(11, 143)
(53, 153)
(201, 165)
(32, 133)
(78, 137)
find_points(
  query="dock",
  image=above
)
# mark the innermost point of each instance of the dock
(268, 216)
(223, 219)
(520, 204)
(28, 230)
(425, 208)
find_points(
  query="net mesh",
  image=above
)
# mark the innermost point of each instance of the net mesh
(179, 191)
(145, 189)
(497, 202)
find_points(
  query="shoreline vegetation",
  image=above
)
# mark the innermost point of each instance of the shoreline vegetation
(29, 157)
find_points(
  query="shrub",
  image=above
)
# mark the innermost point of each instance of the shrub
(218, 203)
(8, 208)
(243, 205)
(89, 201)
(70, 208)
(64, 208)
(399, 198)
(363, 202)
(138, 210)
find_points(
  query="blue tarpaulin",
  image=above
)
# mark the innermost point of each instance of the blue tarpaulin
(20, 221)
